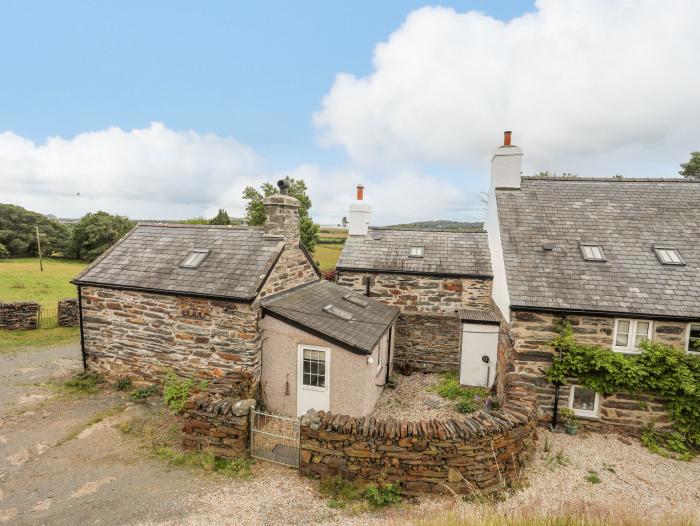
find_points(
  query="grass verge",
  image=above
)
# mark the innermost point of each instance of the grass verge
(22, 280)
(23, 340)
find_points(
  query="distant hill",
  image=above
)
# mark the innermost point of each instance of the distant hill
(462, 226)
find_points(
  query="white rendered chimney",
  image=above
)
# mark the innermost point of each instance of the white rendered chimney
(506, 164)
(359, 215)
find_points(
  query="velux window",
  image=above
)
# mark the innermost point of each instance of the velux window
(584, 401)
(592, 252)
(416, 252)
(194, 259)
(629, 334)
(693, 338)
(668, 255)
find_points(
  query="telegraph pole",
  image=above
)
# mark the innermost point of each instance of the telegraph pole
(38, 244)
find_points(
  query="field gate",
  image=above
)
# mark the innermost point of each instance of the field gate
(274, 438)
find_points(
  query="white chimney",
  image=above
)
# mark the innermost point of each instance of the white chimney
(506, 164)
(360, 213)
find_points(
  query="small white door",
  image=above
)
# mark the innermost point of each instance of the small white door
(479, 354)
(314, 368)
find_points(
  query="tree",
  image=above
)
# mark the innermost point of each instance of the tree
(255, 213)
(18, 233)
(691, 169)
(221, 218)
(96, 232)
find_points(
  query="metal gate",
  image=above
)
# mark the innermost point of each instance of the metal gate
(274, 438)
(48, 317)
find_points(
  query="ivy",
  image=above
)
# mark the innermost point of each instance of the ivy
(660, 370)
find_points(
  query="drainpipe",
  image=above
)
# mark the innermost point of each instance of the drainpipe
(82, 334)
(557, 385)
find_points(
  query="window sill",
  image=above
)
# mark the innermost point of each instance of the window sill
(588, 417)
(626, 351)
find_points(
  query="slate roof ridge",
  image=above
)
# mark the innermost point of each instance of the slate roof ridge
(611, 179)
(427, 230)
(197, 226)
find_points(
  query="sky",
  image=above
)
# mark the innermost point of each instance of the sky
(167, 110)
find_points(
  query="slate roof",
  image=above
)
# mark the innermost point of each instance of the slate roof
(626, 217)
(305, 305)
(149, 258)
(444, 253)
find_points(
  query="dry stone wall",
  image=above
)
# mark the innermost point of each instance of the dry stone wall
(532, 354)
(484, 451)
(68, 312)
(428, 342)
(19, 315)
(142, 336)
(414, 293)
(217, 424)
(293, 268)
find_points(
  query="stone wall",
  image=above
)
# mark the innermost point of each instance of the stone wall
(293, 268)
(218, 425)
(429, 342)
(142, 336)
(413, 293)
(19, 315)
(484, 451)
(532, 354)
(68, 313)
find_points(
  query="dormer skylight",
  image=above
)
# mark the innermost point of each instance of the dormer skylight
(195, 258)
(591, 252)
(668, 255)
(416, 251)
(355, 300)
(338, 313)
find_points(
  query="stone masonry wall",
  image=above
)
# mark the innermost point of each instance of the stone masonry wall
(484, 451)
(142, 336)
(68, 312)
(293, 268)
(428, 342)
(532, 333)
(216, 424)
(412, 293)
(19, 316)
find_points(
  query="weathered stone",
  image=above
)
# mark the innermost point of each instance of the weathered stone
(19, 315)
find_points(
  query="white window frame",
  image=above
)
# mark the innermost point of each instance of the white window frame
(594, 248)
(584, 412)
(327, 350)
(630, 348)
(197, 256)
(668, 255)
(687, 339)
(381, 346)
(420, 251)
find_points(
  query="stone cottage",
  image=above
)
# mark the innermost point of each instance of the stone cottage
(618, 258)
(438, 279)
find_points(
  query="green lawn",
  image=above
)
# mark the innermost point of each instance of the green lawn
(17, 340)
(21, 280)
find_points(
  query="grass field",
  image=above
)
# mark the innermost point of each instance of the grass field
(329, 247)
(17, 340)
(21, 280)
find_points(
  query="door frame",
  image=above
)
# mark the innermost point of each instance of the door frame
(300, 373)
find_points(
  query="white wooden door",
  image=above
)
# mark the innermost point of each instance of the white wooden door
(479, 354)
(314, 368)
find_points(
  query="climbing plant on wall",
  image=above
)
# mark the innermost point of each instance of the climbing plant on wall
(661, 370)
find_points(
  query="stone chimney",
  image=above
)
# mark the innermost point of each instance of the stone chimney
(359, 214)
(282, 215)
(506, 164)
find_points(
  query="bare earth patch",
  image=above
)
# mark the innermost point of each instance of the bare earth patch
(409, 399)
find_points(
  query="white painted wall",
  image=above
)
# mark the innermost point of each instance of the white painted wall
(506, 169)
(358, 219)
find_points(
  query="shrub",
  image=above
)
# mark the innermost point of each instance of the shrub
(380, 496)
(85, 382)
(468, 399)
(124, 384)
(592, 477)
(142, 394)
(176, 391)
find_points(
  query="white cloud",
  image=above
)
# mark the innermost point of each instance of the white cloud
(153, 172)
(591, 86)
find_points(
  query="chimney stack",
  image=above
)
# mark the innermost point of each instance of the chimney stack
(506, 164)
(282, 215)
(359, 215)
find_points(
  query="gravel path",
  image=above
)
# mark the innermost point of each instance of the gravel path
(409, 397)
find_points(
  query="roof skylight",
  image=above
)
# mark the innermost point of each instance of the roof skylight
(195, 258)
(592, 252)
(668, 256)
(355, 300)
(338, 313)
(416, 252)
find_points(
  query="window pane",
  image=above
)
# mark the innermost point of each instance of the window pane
(307, 379)
(642, 332)
(694, 339)
(623, 329)
(584, 399)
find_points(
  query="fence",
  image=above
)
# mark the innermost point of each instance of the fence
(274, 438)
(48, 317)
